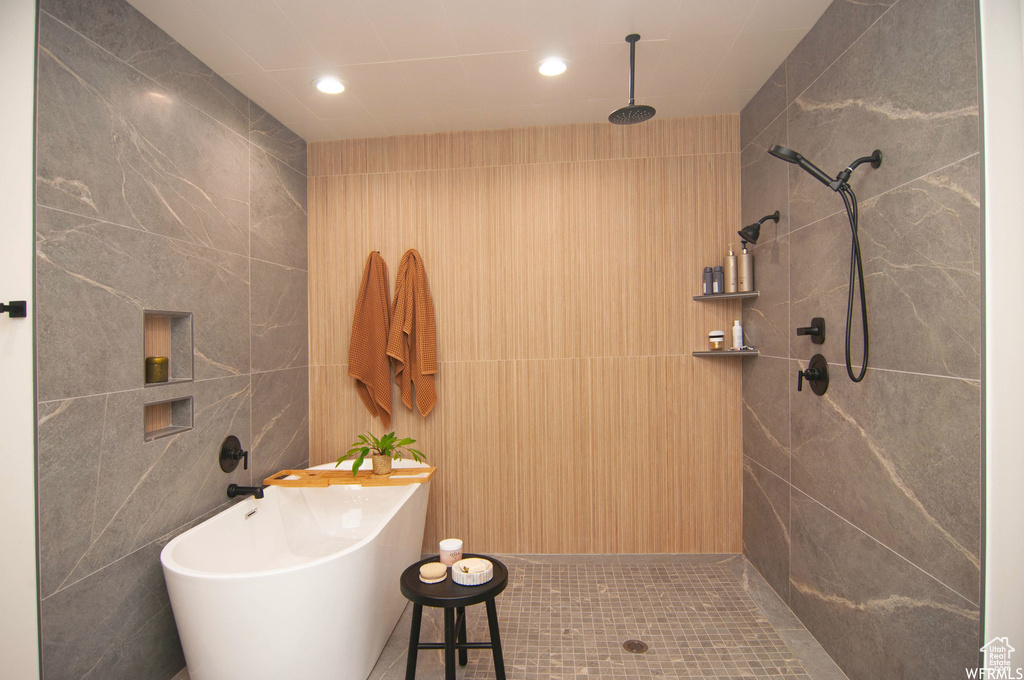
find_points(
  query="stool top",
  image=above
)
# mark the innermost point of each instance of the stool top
(448, 593)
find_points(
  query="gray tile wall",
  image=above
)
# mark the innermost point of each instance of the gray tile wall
(862, 508)
(159, 186)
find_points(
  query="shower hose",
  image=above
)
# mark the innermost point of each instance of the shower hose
(856, 276)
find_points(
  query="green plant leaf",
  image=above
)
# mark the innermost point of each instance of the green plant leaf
(358, 464)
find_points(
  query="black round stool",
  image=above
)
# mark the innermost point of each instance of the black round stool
(454, 599)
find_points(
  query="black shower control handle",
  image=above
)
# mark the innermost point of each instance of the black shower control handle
(816, 375)
(231, 452)
(812, 375)
(816, 330)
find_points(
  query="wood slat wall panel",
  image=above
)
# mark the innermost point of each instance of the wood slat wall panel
(562, 261)
(553, 460)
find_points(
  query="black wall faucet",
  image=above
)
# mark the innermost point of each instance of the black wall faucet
(235, 490)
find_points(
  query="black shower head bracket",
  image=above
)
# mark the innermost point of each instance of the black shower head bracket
(817, 173)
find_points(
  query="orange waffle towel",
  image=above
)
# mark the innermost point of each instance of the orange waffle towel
(412, 343)
(368, 361)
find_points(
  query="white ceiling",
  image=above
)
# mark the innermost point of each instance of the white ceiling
(416, 66)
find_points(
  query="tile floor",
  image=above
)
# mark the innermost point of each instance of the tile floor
(566, 616)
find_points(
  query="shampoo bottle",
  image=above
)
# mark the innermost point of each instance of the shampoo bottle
(745, 277)
(730, 272)
(717, 281)
(707, 281)
(737, 335)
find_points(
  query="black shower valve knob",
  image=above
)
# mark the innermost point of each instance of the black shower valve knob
(816, 375)
(231, 452)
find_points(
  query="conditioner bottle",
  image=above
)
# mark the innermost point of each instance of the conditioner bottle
(730, 272)
(745, 268)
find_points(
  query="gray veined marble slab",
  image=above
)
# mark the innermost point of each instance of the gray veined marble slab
(279, 312)
(921, 248)
(766, 524)
(95, 279)
(116, 624)
(838, 28)
(766, 318)
(765, 106)
(765, 181)
(114, 145)
(104, 492)
(919, 105)
(268, 133)
(897, 455)
(280, 421)
(766, 414)
(123, 31)
(277, 211)
(875, 613)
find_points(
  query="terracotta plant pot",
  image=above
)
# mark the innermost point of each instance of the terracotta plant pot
(381, 465)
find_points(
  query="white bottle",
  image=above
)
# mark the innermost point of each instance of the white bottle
(737, 335)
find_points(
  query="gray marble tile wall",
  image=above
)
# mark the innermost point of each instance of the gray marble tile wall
(159, 187)
(862, 508)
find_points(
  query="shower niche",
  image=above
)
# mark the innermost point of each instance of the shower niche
(168, 334)
(164, 418)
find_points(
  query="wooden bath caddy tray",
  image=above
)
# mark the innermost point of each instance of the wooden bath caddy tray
(321, 478)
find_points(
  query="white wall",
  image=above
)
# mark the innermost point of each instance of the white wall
(1002, 58)
(19, 629)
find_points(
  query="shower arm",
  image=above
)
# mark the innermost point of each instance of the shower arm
(632, 65)
(843, 177)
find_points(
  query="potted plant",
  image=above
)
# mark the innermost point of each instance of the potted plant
(381, 451)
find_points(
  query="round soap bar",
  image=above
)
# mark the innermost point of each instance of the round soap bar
(433, 572)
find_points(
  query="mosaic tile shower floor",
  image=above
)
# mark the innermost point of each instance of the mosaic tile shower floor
(567, 616)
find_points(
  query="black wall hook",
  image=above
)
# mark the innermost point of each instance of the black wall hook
(18, 309)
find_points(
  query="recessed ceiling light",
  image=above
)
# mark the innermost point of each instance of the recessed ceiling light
(552, 66)
(329, 85)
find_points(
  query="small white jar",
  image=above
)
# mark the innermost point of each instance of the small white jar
(450, 551)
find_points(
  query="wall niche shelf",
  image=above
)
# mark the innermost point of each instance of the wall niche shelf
(727, 353)
(164, 418)
(168, 334)
(728, 296)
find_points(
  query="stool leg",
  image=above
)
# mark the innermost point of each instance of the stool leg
(449, 643)
(414, 642)
(492, 623)
(460, 625)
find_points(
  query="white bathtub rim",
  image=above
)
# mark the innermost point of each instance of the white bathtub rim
(168, 562)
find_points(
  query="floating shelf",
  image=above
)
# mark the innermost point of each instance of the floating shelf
(728, 296)
(164, 418)
(728, 353)
(168, 334)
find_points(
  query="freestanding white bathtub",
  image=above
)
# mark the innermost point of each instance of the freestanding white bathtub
(301, 584)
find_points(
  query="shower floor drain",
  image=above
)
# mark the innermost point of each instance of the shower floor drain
(635, 646)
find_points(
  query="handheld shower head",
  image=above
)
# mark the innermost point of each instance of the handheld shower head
(791, 156)
(785, 154)
(841, 186)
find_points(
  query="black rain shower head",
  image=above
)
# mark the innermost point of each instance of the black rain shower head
(817, 173)
(752, 232)
(628, 115)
